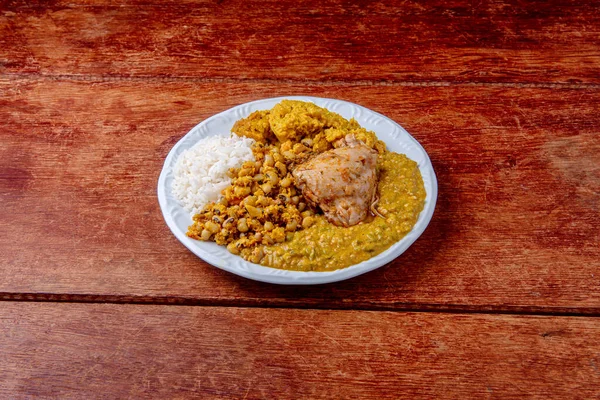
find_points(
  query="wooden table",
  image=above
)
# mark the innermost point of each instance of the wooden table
(500, 297)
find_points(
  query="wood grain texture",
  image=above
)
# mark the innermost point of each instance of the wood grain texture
(72, 351)
(515, 227)
(456, 41)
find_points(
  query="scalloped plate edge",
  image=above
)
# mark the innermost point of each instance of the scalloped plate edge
(219, 257)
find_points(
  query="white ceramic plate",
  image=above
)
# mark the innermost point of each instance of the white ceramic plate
(396, 139)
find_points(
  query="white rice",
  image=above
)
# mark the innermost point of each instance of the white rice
(201, 171)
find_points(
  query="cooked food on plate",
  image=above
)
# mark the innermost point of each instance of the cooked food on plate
(341, 182)
(201, 172)
(299, 187)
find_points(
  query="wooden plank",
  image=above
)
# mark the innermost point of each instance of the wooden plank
(515, 227)
(127, 351)
(458, 41)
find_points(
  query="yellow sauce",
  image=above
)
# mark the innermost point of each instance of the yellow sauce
(326, 247)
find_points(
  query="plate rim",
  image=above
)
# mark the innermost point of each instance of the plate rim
(287, 277)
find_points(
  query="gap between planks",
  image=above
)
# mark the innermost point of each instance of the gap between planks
(250, 303)
(326, 82)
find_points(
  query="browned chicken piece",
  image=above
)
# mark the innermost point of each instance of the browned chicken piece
(342, 182)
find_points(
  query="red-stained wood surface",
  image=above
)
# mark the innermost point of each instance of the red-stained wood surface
(515, 228)
(457, 41)
(72, 351)
(504, 96)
